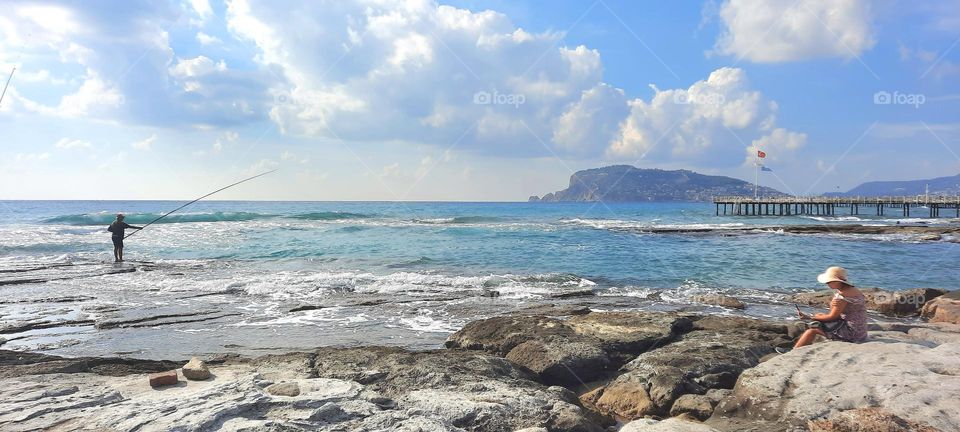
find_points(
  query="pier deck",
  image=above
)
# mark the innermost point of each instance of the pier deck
(931, 206)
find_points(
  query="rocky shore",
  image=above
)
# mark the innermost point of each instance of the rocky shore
(564, 369)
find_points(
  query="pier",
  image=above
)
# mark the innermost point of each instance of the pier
(930, 206)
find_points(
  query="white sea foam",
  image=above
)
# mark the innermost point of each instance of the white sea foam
(643, 225)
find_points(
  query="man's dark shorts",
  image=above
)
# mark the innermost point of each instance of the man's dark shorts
(117, 241)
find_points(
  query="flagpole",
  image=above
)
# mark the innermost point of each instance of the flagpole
(756, 179)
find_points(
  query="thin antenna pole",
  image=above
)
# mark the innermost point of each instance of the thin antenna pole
(8, 83)
(198, 199)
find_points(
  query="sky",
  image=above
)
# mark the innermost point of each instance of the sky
(469, 100)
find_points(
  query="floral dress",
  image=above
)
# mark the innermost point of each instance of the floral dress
(855, 318)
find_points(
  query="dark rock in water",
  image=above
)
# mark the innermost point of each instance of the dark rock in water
(489, 293)
(306, 308)
(196, 370)
(16, 363)
(574, 294)
(720, 300)
(162, 379)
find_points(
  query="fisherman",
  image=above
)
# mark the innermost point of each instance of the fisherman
(117, 228)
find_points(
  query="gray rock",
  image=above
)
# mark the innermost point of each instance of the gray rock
(720, 300)
(668, 425)
(911, 381)
(867, 420)
(711, 356)
(699, 407)
(289, 389)
(407, 391)
(195, 370)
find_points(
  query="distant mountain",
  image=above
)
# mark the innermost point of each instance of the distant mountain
(624, 183)
(938, 186)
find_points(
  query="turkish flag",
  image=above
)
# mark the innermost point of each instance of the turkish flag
(761, 154)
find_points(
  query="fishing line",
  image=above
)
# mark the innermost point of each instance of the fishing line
(8, 84)
(198, 199)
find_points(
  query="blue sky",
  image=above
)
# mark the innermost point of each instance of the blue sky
(469, 100)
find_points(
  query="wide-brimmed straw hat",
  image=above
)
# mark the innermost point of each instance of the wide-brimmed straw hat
(834, 274)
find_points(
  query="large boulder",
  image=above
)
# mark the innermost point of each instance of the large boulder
(913, 381)
(571, 352)
(711, 356)
(499, 335)
(944, 310)
(624, 335)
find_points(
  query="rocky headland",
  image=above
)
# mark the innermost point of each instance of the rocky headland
(562, 369)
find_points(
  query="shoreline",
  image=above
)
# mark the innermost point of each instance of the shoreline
(563, 369)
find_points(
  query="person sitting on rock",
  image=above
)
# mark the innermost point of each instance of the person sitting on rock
(847, 319)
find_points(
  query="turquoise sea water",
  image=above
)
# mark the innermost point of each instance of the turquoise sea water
(261, 259)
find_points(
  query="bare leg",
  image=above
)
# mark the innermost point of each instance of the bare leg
(116, 254)
(120, 251)
(808, 336)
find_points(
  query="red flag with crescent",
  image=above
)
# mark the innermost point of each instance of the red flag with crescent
(761, 154)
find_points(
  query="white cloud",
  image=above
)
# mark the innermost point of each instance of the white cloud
(145, 144)
(197, 66)
(787, 30)
(702, 123)
(30, 157)
(128, 64)
(72, 144)
(202, 8)
(410, 71)
(776, 144)
(207, 40)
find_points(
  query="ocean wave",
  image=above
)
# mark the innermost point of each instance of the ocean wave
(105, 218)
(833, 218)
(330, 216)
(461, 220)
(617, 224)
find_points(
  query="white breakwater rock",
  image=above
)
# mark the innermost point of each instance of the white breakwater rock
(913, 375)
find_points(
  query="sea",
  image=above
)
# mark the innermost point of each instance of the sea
(267, 277)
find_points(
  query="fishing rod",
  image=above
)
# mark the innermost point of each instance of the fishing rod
(198, 199)
(8, 84)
